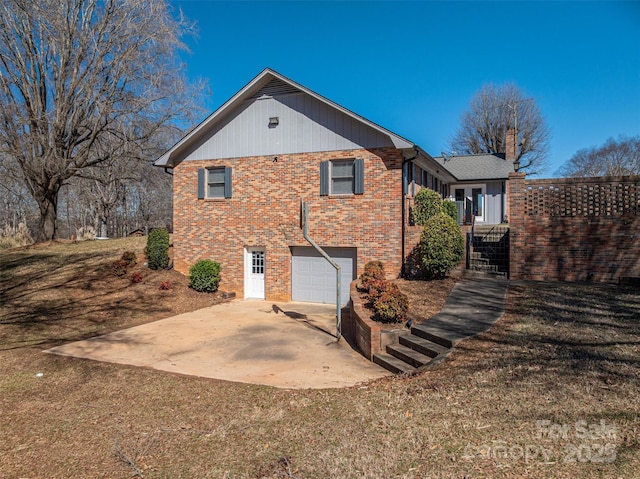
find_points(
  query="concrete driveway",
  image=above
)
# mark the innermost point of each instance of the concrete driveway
(287, 345)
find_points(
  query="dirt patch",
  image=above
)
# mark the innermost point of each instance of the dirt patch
(63, 291)
(426, 298)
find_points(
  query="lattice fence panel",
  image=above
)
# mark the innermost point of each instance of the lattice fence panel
(572, 197)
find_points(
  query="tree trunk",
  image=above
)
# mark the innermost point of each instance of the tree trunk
(48, 204)
(104, 233)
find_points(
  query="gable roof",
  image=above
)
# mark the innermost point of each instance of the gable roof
(477, 167)
(276, 83)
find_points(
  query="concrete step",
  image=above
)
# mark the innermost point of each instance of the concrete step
(393, 364)
(425, 332)
(488, 253)
(484, 229)
(424, 346)
(478, 274)
(487, 267)
(477, 259)
(408, 355)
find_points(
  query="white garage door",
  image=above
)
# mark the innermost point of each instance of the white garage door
(313, 279)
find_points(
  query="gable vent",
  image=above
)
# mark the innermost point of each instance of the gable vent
(274, 88)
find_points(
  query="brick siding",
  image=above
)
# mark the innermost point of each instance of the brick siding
(265, 212)
(574, 229)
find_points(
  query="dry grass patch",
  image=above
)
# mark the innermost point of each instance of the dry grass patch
(63, 291)
(563, 354)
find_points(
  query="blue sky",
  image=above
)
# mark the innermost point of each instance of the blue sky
(413, 67)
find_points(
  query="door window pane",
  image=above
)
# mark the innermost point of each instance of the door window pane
(476, 197)
(257, 262)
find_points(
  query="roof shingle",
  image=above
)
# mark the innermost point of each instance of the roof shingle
(477, 167)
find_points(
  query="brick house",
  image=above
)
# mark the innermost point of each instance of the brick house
(240, 175)
(480, 187)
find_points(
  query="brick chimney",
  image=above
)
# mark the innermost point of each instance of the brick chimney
(511, 145)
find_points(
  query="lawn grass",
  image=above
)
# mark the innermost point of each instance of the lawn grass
(564, 353)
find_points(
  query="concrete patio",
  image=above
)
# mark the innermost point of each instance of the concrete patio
(289, 345)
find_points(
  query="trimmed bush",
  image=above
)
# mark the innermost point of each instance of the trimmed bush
(129, 257)
(204, 276)
(450, 208)
(373, 271)
(388, 303)
(375, 288)
(136, 277)
(392, 305)
(119, 267)
(441, 246)
(157, 249)
(427, 204)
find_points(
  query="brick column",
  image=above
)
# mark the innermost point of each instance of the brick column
(515, 214)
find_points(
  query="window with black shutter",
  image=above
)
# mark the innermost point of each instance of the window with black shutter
(214, 182)
(342, 177)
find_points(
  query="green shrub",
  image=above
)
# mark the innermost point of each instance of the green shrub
(373, 271)
(450, 208)
(427, 204)
(129, 257)
(441, 246)
(204, 276)
(391, 305)
(157, 249)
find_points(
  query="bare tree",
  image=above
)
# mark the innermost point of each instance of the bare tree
(615, 158)
(16, 205)
(85, 82)
(494, 110)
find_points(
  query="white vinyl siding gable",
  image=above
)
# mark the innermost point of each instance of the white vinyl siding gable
(305, 125)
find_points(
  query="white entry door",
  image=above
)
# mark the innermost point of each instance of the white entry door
(474, 195)
(254, 265)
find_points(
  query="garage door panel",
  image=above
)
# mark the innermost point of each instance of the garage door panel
(314, 279)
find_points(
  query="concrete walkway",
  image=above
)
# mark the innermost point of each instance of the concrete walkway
(286, 345)
(473, 306)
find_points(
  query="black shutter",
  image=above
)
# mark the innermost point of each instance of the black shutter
(324, 178)
(359, 176)
(201, 182)
(405, 183)
(227, 182)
